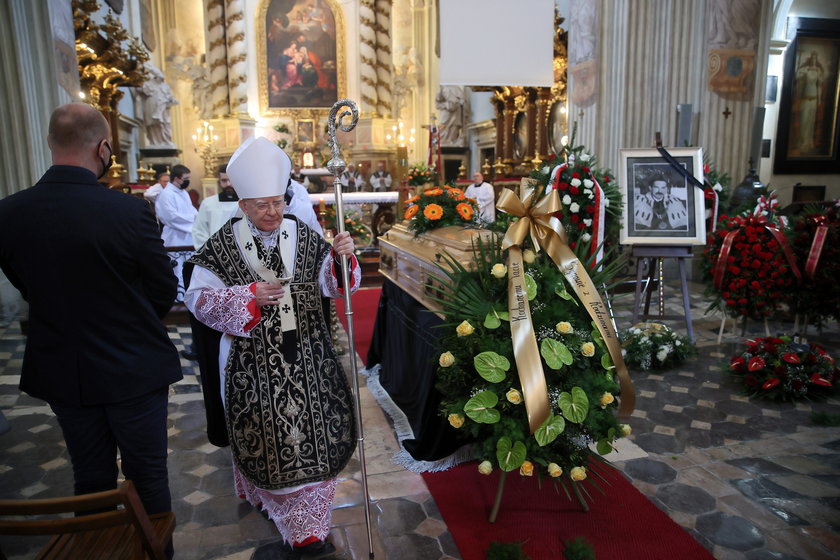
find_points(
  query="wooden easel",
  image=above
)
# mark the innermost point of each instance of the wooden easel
(654, 255)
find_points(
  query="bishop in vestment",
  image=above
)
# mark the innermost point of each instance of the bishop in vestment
(288, 405)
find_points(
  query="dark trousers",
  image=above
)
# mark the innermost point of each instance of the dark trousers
(137, 427)
(206, 346)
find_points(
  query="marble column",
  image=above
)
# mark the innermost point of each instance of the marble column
(384, 65)
(237, 57)
(217, 58)
(367, 56)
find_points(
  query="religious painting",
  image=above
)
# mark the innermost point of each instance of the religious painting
(662, 206)
(557, 127)
(303, 54)
(305, 133)
(520, 136)
(809, 112)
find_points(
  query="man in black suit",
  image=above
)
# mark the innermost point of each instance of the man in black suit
(91, 264)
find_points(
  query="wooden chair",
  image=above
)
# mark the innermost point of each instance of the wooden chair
(123, 533)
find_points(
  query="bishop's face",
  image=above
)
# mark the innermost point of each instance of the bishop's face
(265, 213)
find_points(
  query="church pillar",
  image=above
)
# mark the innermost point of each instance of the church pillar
(543, 107)
(533, 131)
(28, 93)
(217, 58)
(237, 58)
(367, 56)
(383, 57)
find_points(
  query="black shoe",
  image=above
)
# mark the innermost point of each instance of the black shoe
(189, 354)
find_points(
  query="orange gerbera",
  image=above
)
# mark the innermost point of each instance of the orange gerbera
(456, 192)
(465, 210)
(433, 212)
(411, 211)
(433, 192)
(414, 198)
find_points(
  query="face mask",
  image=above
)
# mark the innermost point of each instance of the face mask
(106, 164)
(185, 184)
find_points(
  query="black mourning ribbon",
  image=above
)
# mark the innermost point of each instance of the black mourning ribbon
(682, 170)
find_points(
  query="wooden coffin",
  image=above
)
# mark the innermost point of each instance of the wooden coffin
(410, 261)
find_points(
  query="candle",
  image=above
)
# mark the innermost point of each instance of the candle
(322, 206)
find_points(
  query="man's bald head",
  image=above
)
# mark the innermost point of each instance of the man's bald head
(80, 136)
(77, 126)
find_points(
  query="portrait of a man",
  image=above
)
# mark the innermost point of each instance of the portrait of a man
(301, 54)
(663, 205)
(657, 204)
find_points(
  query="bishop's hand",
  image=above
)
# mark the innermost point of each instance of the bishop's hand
(269, 294)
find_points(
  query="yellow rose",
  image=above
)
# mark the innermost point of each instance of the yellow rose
(485, 467)
(464, 329)
(578, 474)
(446, 359)
(456, 420)
(529, 256)
(499, 270)
(563, 327)
(626, 430)
(514, 396)
(527, 469)
(587, 349)
(554, 470)
(606, 399)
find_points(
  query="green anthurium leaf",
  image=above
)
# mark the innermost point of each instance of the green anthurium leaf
(480, 408)
(492, 321)
(560, 290)
(530, 287)
(603, 447)
(504, 315)
(550, 429)
(611, 434)
(555, 353)
(606, 361)
(491, 366)
(574, 405)
(510, 456)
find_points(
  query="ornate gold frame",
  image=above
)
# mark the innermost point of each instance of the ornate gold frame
(262, 65)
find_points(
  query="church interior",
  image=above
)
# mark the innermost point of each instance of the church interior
(734, 105)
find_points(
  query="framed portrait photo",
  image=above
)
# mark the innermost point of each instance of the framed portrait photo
(808, 134)
(662, 207)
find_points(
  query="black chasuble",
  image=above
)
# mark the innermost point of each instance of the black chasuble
(289, 414)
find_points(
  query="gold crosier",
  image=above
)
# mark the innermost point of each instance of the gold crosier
(534, 219)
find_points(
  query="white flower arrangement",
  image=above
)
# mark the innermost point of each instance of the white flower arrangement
(650, 346)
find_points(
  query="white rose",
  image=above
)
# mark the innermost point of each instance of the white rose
(584, 157)
(499, 270)
(588, 222)
(485, 467)
(606, 203)
(574, 208)
(585, 237)
(718, 187)
(575, 182)
(545, 170)
(678, 343)
(590, 194)
(587, 183)
(662, 354)
(567, 200)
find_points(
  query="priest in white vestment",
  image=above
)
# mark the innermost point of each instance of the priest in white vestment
(288, 404)
(485, 197)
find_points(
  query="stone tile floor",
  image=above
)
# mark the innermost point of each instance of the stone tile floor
(749, 480)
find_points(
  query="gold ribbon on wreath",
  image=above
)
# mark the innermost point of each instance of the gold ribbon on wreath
(535, 220)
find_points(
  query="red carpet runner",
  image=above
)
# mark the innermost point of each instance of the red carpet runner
(365, 304)
(621, 524)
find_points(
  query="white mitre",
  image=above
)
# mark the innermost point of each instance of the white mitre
(259, 169)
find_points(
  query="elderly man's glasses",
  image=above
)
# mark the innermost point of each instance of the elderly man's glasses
(263, 207)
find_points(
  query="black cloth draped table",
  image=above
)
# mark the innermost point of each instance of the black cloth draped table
(404, 345)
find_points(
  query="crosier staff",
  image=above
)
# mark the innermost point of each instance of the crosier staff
(336, 166)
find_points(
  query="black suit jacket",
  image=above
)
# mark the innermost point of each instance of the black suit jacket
(91, 264)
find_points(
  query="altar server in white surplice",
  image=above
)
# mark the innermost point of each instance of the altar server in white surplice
(288, 405)
(484, 195)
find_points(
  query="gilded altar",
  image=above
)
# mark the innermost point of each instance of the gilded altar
(412, 262)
